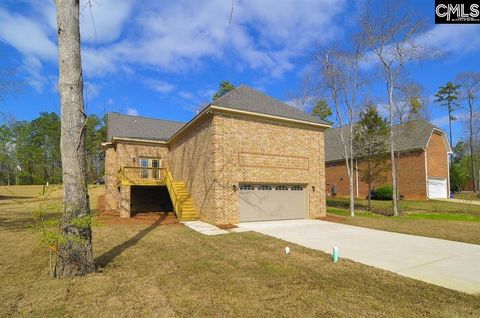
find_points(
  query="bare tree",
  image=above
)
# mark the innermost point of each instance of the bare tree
(74, 253)
(392, 36)
(306, 95)
(470, 90)
(410, 102)
(341, 79)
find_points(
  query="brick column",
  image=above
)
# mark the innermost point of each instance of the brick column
(125, 201)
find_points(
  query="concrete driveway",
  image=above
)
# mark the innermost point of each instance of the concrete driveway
(445, 263)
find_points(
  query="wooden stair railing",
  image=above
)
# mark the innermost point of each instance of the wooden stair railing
(181, 200)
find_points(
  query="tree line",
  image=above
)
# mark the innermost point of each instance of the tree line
(463, 93)
(30, 150)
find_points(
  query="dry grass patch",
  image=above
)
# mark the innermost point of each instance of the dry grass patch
(170, 270)
(461, 231)
(409, 206)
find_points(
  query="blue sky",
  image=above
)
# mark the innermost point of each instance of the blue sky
(165, 58)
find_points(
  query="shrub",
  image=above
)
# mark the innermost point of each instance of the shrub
(384, 193)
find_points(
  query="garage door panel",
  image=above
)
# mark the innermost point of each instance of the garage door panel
(260, 205)
(437, 188)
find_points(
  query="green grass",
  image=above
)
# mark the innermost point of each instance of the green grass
(171, 271)
(444, 220)
(467, 196)
(437, 216)
(432, 206)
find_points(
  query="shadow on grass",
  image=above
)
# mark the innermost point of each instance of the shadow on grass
(344, 203)
(14, 197)
(107, 257)
(21, 221)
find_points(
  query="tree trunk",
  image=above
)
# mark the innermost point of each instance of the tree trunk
(352, 171)
(450, 125)
(369, 173)
(74, 255)
(470, 142)
(392, 150)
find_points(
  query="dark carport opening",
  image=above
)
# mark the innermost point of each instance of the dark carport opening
(145, 199)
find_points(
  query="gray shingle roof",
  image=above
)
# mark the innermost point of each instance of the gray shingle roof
(126, 126)
(409, 136)
(248, 99)
(241, 98)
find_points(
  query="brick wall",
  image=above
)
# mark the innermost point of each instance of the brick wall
(411, 177)
(111, 172)
(191, 161)
(437, 161)
(253, 150)
(222, 151)
(126, 154)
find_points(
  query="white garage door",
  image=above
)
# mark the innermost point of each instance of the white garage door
(272, 202)
(437, 188)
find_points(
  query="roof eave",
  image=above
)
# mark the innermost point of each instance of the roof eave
(266, 116)
(137, 140)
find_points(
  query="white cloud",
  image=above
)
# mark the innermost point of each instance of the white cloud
(159, 86)
(27, 36)
(458, 39)
(263, 35)
(186, 95)
(132, 111)
(103, 20)
(442, 39)
(179, 36)
(443, 120)
(91, 90)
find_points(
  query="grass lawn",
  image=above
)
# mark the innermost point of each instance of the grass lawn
(170, 270)
(409, 207)
(444, 220)
(467, 196)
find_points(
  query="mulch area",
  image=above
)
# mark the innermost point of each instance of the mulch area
(332, 218)
(226, 226)
(113, 217)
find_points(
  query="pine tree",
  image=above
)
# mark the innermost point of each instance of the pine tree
(369, 138)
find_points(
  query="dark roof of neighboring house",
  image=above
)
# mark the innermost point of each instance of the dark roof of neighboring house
(136, 127)
(409, 136)
(247, 99)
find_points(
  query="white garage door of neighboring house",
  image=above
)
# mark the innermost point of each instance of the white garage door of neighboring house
(272, 202)
(437, 188)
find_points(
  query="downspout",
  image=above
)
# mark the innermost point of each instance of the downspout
(448, 175)
(426, 172)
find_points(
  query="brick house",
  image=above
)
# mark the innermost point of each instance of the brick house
(244, 157)
(422, 152)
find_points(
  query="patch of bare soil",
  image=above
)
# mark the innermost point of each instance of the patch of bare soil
(332, 218)
(227, 226)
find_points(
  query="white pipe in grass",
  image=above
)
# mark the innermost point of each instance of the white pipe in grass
(335, 254)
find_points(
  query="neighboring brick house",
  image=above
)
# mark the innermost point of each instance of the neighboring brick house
(244, 157)
(422, 152)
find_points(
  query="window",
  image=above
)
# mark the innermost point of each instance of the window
(264, 188)
(152, 165)
(296, 188)
(281, 188)
(246, 187)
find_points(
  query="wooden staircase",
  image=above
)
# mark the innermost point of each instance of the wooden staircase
(182, 202)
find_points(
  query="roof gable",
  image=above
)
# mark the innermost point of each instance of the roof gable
(247, 99)
(242, 98)
(409, 136)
